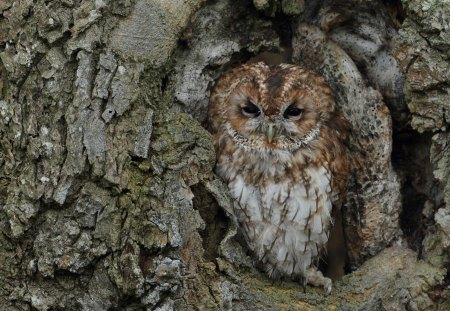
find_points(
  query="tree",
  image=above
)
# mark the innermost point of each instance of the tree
(107, 192)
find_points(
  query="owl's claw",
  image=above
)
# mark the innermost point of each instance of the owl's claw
(303, 283)
(316, 278)
(327, 286)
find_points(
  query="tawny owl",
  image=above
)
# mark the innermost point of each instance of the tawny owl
(279, 145)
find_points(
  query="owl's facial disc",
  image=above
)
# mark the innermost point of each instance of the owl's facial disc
(257, 124)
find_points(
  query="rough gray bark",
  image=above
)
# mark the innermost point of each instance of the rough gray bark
(108, 199)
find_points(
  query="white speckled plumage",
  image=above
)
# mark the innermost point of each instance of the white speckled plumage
(301, 212)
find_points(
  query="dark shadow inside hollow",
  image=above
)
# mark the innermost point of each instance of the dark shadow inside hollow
(422, 194)
(395, 9)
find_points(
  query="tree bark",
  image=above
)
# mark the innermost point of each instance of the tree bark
(108, 199)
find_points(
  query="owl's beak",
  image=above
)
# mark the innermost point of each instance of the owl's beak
(271, 131)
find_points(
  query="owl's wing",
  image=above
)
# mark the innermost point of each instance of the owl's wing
(339, 165)
(339, 157)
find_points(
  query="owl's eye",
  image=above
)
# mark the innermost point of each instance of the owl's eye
(251, 110)
(292, 112)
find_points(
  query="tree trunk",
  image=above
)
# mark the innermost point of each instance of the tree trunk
(108, 200)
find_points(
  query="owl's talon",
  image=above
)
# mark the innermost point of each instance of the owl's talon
(328, 286)
(316, 278)
(303, 283)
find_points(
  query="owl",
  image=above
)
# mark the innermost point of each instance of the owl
(280, 149)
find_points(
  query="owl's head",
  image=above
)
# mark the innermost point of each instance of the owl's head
(266, 108)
